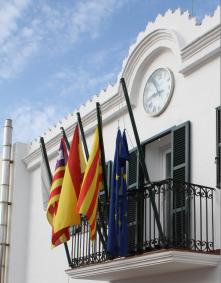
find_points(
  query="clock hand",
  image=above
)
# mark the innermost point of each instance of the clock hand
(156, 84)
(153, 95)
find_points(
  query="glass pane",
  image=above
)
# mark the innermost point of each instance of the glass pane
(168, 165)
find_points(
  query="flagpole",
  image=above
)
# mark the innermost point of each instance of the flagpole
(83, 135)
(65, 138)
(141, 158)
(45, 157)
(44, 154)
(103, 163)
(99, 204)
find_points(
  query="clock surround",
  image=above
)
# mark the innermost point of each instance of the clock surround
(158, 91)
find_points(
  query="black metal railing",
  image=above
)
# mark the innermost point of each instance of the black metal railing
(186, 215)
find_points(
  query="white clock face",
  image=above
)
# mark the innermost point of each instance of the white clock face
(158, 91)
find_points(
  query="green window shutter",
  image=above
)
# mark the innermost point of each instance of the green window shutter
(218, 147)
(135, 173)
(109, 175)
(181, 153)
(132, 223)
(132, 184)
(181, 173)
(135, 205)
(105, 208)
(133, 170)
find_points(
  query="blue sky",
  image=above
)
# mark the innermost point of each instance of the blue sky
(55, 54)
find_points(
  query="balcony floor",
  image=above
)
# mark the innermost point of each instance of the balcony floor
(158, 262)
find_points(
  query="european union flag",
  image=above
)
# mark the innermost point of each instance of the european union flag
(117, 244)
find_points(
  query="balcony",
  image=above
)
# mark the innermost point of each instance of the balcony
(186, 213)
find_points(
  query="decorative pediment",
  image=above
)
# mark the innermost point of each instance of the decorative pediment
(148, 48)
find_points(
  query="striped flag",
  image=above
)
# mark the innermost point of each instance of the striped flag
(92, 182)
(53, 200)
(67, 214)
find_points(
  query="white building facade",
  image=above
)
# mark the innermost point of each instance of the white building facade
(172, 73)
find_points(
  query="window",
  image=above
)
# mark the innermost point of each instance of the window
(167, 156)
(168, 170)
(157, 154)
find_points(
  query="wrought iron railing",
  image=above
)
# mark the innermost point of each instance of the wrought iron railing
(186, 214)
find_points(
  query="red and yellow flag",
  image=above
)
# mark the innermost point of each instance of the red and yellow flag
(67, 214)
(92, 182)
(63, 235)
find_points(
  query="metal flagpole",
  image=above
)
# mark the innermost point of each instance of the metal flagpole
(83, 135)
(44, 155)
(99, 204)
(141, 158)
(103, 163)
(65, 138)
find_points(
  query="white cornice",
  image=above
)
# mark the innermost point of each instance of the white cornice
(197, 52)
(110, 110)
(145, 265)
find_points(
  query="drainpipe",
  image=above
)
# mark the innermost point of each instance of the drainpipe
(4, 196)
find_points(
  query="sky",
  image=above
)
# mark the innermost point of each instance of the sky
(55, 54)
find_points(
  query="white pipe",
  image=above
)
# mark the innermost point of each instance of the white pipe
(4, 195)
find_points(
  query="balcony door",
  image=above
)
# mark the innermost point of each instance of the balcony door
(167, 156)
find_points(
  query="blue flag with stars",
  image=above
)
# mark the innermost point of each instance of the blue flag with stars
(117, 244)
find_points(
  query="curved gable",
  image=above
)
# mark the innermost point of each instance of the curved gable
(150, 47)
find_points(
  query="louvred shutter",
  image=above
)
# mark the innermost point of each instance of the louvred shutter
(180, 173)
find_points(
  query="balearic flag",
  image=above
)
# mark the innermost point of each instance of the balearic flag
(67, 214)
(92, 183)
(53, 200)
(117, 244)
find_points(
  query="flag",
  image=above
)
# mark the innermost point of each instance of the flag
(45, 184)
(53, 200)
(117, 244)
(92, 182)
(67, 214)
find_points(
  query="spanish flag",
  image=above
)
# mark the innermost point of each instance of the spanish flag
(92, 182)
(67, 214)
(63, 235)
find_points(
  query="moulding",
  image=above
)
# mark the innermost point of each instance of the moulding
(197, 52)
(145, 265)
(110, 109)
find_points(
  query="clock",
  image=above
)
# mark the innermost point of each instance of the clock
(158, 91)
